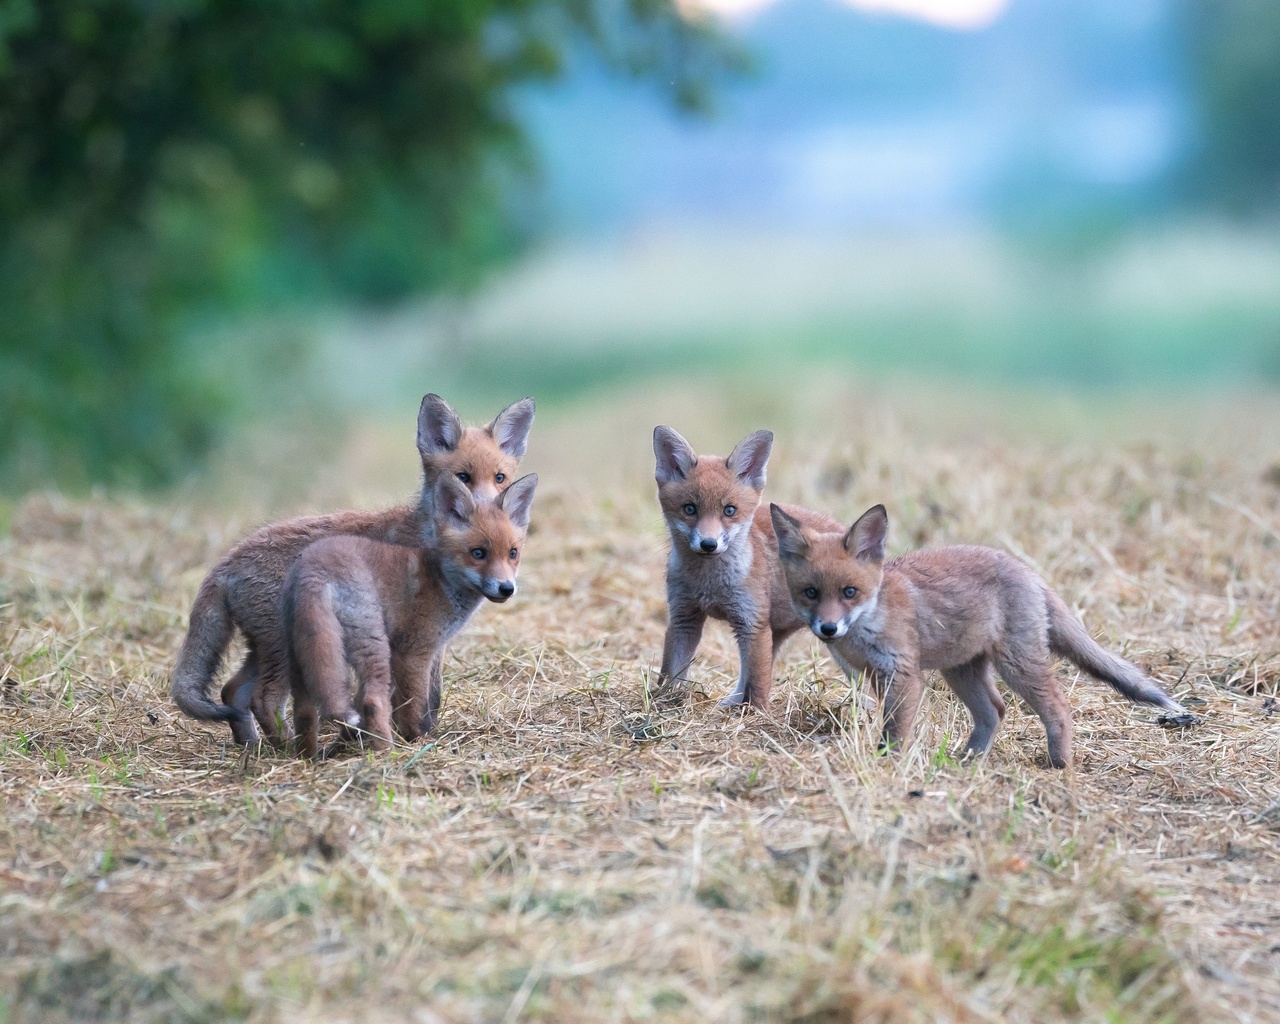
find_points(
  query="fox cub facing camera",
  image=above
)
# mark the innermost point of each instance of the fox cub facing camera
(388, 612)
(969, 612)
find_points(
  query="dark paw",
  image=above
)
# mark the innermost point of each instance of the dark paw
(1183, 721)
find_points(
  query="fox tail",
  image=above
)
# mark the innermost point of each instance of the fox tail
(208, 635)
(1069, 639)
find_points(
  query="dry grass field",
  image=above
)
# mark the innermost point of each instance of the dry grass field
(567, 850)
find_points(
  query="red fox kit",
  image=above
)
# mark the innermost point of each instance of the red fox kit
(724, 560)
(243, 589)
(388, 611)
(967, 611)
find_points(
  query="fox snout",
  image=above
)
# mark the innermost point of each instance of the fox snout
(825, 630)
(705, 545)
(498, 591)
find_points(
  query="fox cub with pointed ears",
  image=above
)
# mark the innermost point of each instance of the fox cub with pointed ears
(388, 611)
(724, 559)
(969, 612)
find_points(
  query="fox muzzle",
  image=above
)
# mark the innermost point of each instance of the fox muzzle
(498, 590)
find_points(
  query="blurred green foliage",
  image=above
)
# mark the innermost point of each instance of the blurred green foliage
(1234, 51)
(161, 160)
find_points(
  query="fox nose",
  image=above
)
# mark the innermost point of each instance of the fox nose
(828, 629)
(506, 588)
(707, 544)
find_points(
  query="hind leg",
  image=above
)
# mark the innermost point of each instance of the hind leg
(269, 699)
(319, 668)
(975, 685)
(238, 694)
(1032, 679)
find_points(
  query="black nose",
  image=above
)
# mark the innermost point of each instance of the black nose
(707, 544)
(828, 629)
(506, 589)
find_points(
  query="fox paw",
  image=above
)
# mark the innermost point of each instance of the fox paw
(734, 700)
(1182, 721)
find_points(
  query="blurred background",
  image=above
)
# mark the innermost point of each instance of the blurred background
(226, 221)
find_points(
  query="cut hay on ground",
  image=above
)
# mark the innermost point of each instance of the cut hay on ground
(569, 850)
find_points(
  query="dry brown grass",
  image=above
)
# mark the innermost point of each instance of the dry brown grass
(566, 850)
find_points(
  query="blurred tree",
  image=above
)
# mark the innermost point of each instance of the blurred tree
(1234, 49)
(163, 158)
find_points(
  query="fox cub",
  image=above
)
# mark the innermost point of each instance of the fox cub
(724, 560)
(388, 611)
(243, 590)
(963, 610)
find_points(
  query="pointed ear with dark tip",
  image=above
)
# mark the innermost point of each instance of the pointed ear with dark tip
(675, 458)
(750, 457)
(517, 500)
(453, 502)
(510, 428)
(791, 542)
(439, 429)
(865, 539)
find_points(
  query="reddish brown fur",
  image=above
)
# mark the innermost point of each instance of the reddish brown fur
(740, 580)
(967, 611)
(388, 611)
(243, 590)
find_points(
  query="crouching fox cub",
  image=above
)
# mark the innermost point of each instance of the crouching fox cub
(963, 610)
(388, 611)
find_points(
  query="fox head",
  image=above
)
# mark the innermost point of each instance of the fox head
(709, 502)
(834, 578)
(479, 542)
(484, 459)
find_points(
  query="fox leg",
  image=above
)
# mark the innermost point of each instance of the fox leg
(269, 698)
(1032, 680)
(755, 675)
(435, 693)
(238, 693)
(975, 685)
(370, 656)
(412, 675)
(903, 692)
(684, 633)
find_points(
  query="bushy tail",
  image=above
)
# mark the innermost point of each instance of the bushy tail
(208, 635)
(1069, 639)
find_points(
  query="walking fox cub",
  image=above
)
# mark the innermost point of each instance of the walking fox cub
(388, 612)
(963, 610)
(724, 560)
(243, 590)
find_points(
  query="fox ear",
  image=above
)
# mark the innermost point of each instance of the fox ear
(454, 502)
(517, 500)
(510, 428)
(865, 539)
(750, 457)
(439, 429)
(791, 542)
(675, 457)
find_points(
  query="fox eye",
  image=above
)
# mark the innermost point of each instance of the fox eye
(465, 477)
(691, 509)
(811, 593)
(478, 554)
(514, 553)
(499, 477)
(850, 592)
(731, 510)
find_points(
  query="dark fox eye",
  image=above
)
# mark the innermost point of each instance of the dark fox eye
(691, 509)
(478, 554)
(811, 592)
(514, 554)
(850, 592)
(499, 477)
(465, 477)
(731, 510)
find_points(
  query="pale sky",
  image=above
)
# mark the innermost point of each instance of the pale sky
(958, 14)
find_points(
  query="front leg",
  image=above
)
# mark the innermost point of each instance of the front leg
(684, 633)
(755, 675)
(412, 675)
(902, 691)
(435, 693)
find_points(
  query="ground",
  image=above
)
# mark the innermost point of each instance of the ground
(566, 849)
